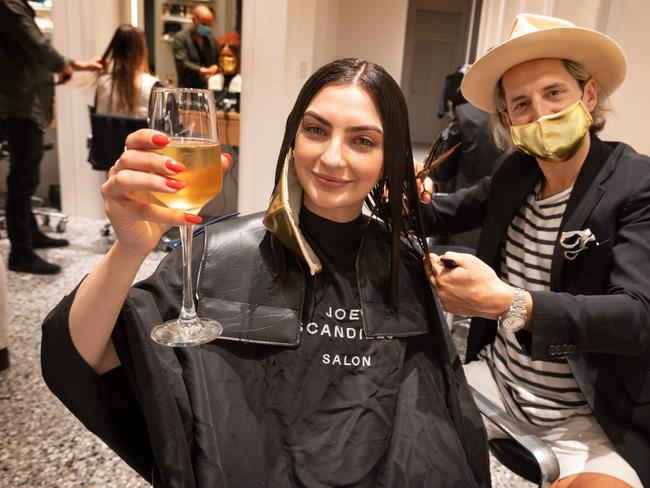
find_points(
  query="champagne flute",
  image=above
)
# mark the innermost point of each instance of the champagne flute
(188, 117)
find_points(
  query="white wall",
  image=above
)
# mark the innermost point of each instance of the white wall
(626, 22)
(629, 24)
(299, 48)
(326, 33)
(375, 30)
(263, 103)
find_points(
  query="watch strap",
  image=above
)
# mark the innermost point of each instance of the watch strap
(518, 301)
(517, 308)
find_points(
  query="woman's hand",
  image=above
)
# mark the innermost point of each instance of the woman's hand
(472, 289)
(138, 219)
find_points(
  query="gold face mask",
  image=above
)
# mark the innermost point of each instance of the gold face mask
(228, 64)
(282, 215)
(554, 137)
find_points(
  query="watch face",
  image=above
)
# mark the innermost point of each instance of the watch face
(512, 322)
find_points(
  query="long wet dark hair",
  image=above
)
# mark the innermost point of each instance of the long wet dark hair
(401, 212)
(125, 57)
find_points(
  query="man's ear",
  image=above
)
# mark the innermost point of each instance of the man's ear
(590, 94)
(505, 119)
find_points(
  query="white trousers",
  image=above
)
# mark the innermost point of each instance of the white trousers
(579, 443)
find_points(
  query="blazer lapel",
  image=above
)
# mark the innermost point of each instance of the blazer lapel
(517, 183)
(192, 45)
(587, 191)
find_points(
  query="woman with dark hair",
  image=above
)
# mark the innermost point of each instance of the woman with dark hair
(124, 84)
(334, 368)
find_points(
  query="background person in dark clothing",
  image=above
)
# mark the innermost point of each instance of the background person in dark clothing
(26, 90)
(476, 157)
(195, 51)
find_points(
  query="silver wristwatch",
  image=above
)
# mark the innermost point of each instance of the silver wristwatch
(515, 317)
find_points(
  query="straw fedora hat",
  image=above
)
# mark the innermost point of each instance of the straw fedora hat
(538, 36)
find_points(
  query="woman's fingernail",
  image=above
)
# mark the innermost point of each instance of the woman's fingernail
(174, 166)
(175, 184)
(193, 219)
(228, 157)
(160, 140)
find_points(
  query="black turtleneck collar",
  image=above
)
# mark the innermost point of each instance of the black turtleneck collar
(332, 237)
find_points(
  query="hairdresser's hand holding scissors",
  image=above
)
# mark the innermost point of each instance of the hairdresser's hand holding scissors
(467, 286)
(422, 170)
(424, 183)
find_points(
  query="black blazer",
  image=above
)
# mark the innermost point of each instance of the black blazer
(597, 313)
(28, 61)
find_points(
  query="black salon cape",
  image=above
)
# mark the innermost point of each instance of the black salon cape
(230, 414)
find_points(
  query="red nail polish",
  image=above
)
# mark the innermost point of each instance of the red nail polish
(160, 140)
(175, 166)
(175, 184)
(228, 157)
(193, 219)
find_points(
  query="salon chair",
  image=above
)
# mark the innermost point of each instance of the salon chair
(106, 143)
(108, 134)
(522, 452)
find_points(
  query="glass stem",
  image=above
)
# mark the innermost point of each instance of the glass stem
(188, 312)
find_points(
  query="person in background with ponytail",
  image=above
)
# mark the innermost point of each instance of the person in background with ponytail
(124, 84)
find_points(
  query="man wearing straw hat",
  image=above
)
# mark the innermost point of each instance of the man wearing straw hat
(561, 334)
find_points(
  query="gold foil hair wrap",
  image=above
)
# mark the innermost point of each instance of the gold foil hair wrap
(282, 215)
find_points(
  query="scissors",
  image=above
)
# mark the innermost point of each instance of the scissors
(431, 162)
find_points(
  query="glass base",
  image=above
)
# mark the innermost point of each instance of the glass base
(189, 333)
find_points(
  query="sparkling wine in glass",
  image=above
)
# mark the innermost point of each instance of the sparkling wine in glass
(188, 117)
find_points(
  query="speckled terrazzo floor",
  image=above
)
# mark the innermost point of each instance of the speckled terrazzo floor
(41, 444)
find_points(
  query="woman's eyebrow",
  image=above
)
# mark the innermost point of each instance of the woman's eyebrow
(363, 128)
(322, 120)
(359, 128)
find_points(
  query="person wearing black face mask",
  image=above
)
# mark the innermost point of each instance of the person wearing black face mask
(560, 285)
(196, 52)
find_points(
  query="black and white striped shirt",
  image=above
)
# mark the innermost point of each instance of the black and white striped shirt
(540, 392)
